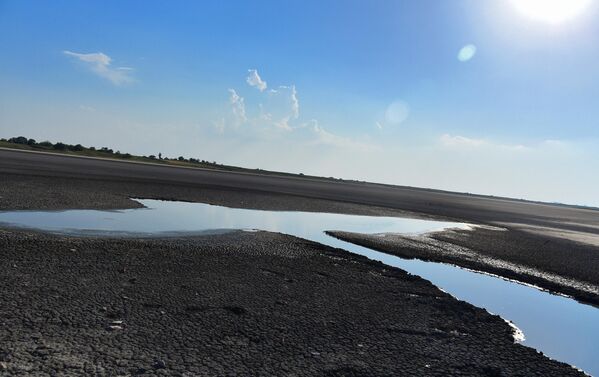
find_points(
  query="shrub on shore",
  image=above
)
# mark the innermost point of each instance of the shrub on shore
(103, 151)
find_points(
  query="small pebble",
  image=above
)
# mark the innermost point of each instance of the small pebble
(159, 364)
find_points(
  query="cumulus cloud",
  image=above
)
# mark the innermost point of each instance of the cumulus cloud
(254, 80)
(277, 117)
(100, 64)
(282, 106)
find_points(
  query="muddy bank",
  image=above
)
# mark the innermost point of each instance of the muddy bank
(236, 304)
(557, 265)
(553, 263)
(30, 192)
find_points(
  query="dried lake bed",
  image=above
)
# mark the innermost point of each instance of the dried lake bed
(558, 326)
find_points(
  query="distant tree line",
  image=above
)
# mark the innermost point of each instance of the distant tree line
(59, 146)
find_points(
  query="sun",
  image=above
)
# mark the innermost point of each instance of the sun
(551, 11)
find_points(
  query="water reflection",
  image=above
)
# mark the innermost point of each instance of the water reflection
(560, 327)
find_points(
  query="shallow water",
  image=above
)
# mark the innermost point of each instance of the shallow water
(560, 327)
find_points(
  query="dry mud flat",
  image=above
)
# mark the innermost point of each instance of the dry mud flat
(553, 246)
(236, 304)
(549, 261)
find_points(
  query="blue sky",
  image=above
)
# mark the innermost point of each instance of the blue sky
(370, 90)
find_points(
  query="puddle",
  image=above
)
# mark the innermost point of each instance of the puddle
(562, 328)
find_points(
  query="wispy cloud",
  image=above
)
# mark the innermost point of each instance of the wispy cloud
(254, 80)
(282, 106)
(556, 143)
(325, 137)
(294, 102)
(461, 141)
(465, 143)
(238, 107)
(100, 64)
(87, 108)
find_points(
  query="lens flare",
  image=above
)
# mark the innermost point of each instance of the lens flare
(466, 53)
(397, 112)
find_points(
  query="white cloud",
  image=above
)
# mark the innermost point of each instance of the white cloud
(220, 125)
(99, 63)
(275, 120)
(325, 137)
(294, 102)
(281, 107)
(254, 80)
(555, 143)
(288, 96)
(87, 108)
(283, 124)
(237, 107)
(461, 141)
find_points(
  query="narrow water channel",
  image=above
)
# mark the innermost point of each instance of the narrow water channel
(562, 328)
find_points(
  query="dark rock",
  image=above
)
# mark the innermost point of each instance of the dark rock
(159, 364)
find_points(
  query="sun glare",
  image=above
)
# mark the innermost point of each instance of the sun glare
(551, 11)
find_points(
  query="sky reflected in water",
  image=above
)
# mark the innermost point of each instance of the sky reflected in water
(560, 327)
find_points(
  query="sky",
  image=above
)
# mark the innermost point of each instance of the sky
(489, 97)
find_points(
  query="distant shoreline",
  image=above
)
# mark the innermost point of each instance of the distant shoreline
(206, 165)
